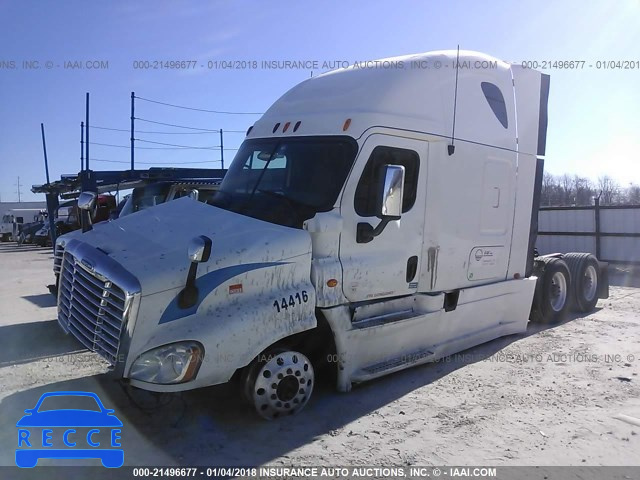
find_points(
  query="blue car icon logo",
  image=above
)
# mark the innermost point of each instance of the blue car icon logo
(82, 428)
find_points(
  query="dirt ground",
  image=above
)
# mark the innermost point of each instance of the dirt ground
(562, 395)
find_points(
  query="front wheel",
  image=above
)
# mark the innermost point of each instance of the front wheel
(279, 382)
(551, 301)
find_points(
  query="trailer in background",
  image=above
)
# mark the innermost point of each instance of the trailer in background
(70, 186)
(17, 219)
(149, 187)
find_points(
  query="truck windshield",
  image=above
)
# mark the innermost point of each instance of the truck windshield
(145, 197)
(286, 180)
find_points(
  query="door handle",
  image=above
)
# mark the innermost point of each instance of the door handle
(412, 268)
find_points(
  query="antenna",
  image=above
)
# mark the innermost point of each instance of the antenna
(452, 148)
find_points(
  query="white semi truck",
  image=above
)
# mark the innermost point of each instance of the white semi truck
(373, 219)
(13, 220)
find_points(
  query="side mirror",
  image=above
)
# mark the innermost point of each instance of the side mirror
(389, 203)
(392, 192)
(86, 205)
(199, 249)
(194, 194)
(87, 200)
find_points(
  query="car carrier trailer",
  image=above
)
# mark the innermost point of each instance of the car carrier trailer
(372, 220)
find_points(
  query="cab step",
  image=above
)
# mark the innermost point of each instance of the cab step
(393, 365)
(385, 318)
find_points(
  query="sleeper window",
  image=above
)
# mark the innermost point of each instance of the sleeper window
(496, 101)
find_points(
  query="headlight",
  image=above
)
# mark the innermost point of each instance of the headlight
(173, 363)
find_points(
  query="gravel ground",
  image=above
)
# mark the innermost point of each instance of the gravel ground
(562, 395)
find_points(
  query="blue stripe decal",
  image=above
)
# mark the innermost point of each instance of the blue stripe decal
(207, 284)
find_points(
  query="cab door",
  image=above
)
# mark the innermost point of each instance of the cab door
(389, 264)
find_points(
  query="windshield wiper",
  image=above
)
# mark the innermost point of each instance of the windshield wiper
(264, 169)
(294, 203)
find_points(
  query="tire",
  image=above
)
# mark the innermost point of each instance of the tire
(279, 382)
(551, 300)
(585, 274)
(21, 239)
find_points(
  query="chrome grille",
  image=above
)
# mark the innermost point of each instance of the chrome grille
(57, 259)
(91, 308)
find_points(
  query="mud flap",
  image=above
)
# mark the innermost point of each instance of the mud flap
(603, 283)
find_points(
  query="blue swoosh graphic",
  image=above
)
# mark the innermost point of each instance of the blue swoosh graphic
(207, 284)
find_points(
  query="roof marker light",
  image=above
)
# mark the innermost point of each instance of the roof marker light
(275, 127)
(286, 127)
(347, 122)
(296, 126)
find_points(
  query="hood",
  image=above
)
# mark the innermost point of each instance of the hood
(152, 244)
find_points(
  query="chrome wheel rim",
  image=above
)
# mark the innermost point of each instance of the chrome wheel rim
(283, 385)
(558, 291)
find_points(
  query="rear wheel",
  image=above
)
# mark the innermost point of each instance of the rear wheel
(585, 274)
(551, 301)
(279, 382)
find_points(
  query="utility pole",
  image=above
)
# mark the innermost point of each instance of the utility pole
(133, 111)
(81, 146)
(221, 150)
(44, 149)
(18, 185)
(86, 136)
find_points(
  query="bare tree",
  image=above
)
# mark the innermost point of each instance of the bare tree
(609, 190)
(632, 195)
(583, 190)
(548, 189)
(566, 189)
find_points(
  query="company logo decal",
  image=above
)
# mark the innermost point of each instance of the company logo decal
(207, 284)
(92, 431)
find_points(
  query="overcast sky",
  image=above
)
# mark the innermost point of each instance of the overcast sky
(594, 126)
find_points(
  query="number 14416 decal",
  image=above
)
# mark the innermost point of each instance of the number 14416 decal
(297, 299)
